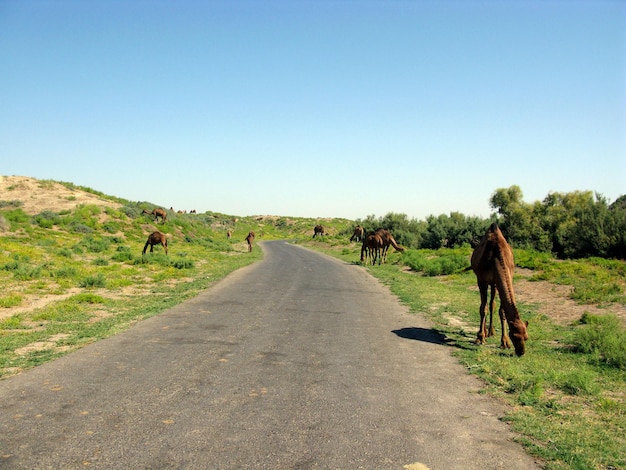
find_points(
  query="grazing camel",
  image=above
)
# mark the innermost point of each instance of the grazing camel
(250, 239)
(157, 212)
(388, 239)
(493, 264)
(357, 236)
(155, 238)
(372, 246)
(318, 230)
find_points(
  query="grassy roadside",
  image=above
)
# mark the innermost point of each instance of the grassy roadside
(566, 401)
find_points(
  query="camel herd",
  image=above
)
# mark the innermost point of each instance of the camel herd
(492, 261)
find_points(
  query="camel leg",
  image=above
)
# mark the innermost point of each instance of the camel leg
(482, 333)
(151, 248)
(492, 304)
(505, 342)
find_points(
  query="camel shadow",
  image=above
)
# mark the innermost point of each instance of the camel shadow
(423, 334)
(432, 336)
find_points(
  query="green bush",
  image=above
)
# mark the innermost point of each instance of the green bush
(46, 219)
(93, 281)
(95, 244)
(182, 263)
(604, 337)
(122, 254)
(438, 263)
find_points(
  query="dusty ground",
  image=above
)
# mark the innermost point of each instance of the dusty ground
(37, 196)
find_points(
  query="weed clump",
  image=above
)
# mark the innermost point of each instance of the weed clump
(603, 337)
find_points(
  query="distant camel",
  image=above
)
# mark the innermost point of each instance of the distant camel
(358, 234)
(318, 230)
(155, 238)
(229, 234)
(493, 264)
(250, 239)
(157, 212)
(372, 246)
(388, 239)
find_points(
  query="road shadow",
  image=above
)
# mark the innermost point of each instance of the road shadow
(422, 334)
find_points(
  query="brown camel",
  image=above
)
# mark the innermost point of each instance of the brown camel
(493, 264)
(318, 230)
(387, 240)
(357, 236)
(229, 234)
(372, 246)
(157, 212)
(250, 239)
(155, 238)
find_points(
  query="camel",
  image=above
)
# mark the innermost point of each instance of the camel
(229, 234)
(372, 246)
(358, 234)
(493, 263)
(157, 212)
(155, 238)
(387, 240)
(318, 230)
(250, 239)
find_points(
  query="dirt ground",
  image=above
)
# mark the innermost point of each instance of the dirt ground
(38, 195)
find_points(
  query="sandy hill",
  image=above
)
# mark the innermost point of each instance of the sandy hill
(37, 196)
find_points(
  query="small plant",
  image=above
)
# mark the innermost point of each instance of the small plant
(96, 281)
(182, 263)
(12, 300)
(603, 337)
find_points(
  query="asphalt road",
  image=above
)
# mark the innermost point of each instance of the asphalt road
(299, 361)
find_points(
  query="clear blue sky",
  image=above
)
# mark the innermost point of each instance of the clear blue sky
(316, 108)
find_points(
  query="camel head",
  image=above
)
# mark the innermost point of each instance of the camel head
(518, 332)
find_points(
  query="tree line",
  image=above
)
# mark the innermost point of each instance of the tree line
(578, 224)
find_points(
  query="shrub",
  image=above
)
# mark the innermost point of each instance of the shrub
(122, 254)
(111, 227)
(10, 301)
(46, 219)
(65, 272)
(603, 337)
(95, 245)
(93, 281)
(78, 227)
(438, 263)
(182, 263)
